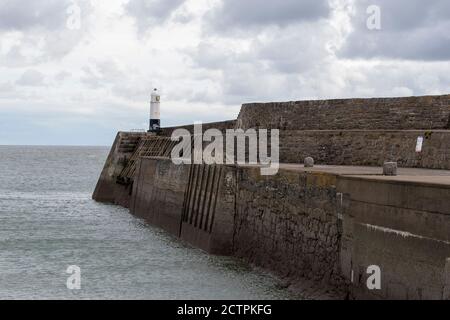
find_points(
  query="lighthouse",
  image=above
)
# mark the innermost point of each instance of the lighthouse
(155, 117)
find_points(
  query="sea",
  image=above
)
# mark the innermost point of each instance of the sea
(52, 231)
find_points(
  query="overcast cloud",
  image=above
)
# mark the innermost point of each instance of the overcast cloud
(415, 30)
(68, 83)
(242, 15)
(17, 15)
(148, 13)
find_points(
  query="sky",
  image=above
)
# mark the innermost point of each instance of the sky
(76, 72)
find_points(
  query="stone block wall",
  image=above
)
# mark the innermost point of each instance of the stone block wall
(428, 112)
(367, 148)
(222, 125)
(358, 131)
(289, 223)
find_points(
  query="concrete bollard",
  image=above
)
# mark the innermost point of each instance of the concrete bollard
(309, 162)
(390, 169)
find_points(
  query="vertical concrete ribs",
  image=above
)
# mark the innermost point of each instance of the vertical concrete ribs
(201, 196)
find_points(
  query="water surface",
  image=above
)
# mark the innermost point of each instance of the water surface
(49, 222)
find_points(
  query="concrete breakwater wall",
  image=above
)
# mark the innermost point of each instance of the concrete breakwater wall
(288, 223)
(326, 224)
(107, 190)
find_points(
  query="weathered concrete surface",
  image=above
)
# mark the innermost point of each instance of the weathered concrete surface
(412, 267)
(208, 218)
(158, 193)
(107, 190)
(195, 203)
(400, 225)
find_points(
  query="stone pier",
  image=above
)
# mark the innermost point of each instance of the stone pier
(325, 224)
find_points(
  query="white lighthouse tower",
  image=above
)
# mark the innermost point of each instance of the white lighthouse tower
(155, 116)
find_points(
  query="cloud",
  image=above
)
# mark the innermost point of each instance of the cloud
(296, 48)
(241, 15)
(102, 73)
(258, 50)
(147, 13)
(62, 76)
(14, 57)
(50, 14)
(6, 87)
(37, 32)
(267, 62)
(410, 29)
(31, 78)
